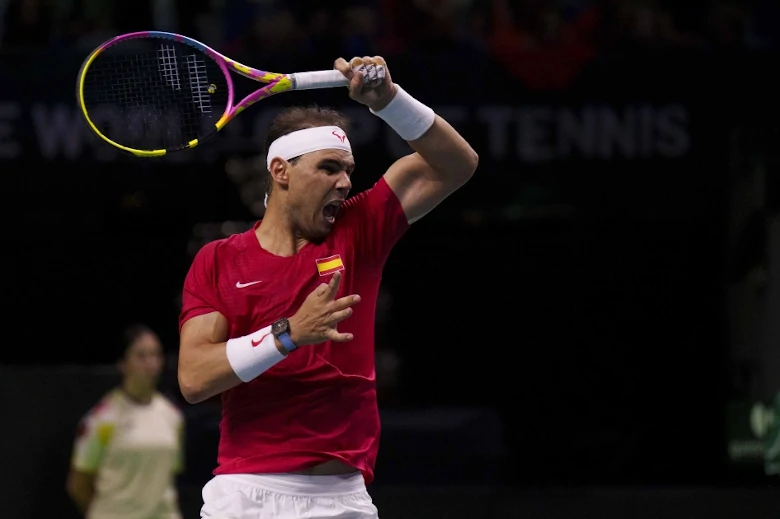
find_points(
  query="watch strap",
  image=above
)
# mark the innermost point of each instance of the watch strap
(286, 341)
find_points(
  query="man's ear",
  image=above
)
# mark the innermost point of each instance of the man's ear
(279, 171)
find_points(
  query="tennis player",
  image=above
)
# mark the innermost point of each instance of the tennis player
(129, 446)
(280, 319)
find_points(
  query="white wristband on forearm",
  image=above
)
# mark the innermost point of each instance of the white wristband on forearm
(253, 354)
(406, 115)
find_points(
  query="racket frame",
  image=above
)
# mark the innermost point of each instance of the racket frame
(276, 83)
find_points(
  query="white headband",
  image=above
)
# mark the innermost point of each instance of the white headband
(308, 140)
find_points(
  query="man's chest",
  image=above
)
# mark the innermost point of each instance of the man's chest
(258, 289)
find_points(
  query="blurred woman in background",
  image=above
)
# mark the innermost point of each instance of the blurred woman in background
(129, 446)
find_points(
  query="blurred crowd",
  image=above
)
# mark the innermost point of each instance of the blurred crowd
(541, 42)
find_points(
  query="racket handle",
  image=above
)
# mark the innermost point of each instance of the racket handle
(318, 79)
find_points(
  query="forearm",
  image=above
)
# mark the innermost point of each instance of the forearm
(446, 152)
(204, 371)
(450, 158)
(207, 369)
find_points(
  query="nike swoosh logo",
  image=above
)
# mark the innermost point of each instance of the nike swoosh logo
(255, 343)
(244, 285)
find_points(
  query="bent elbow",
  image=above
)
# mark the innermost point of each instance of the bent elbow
(468, 167)
(473, 162)
(192, 392)
(192, 395)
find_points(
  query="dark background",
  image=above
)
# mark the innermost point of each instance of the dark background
(582, 314)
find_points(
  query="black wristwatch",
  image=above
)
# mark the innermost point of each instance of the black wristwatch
(281, 330)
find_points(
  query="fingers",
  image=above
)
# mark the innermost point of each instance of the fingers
(366, 72)
(337, 317)
(355, 63)
(333, 285)
(335, 336)
(331, 288)
(357, 83)
(355, 77)
(345, 302)
(374, 70)
(342, 66)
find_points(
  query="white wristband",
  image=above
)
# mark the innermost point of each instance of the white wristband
(406, 115)
(253, 354)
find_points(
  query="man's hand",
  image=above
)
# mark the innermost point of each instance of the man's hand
(316, 319)
(378, 91)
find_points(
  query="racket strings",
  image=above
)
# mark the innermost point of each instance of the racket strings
(199, 79)
(154, 94)
(168, 66)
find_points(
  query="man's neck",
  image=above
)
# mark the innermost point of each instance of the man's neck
(277, 235)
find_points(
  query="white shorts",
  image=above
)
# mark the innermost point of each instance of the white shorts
(287, 496)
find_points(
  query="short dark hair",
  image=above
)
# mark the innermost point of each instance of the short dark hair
(130, 335)
(299, 118)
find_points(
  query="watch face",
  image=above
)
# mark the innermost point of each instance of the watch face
(279, 327)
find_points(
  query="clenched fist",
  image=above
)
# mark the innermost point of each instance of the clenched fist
(378, 91)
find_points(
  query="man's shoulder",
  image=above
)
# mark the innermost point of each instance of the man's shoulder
(222, 248)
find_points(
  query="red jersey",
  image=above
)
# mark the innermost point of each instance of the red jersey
(319, 403)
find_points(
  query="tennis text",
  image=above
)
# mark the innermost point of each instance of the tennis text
(521, 133)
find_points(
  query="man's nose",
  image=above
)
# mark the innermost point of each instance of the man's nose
(344, 183)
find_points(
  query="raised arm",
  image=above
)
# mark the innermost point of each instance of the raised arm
(443, 161)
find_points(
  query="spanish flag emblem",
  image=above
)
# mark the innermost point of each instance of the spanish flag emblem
(329, 265)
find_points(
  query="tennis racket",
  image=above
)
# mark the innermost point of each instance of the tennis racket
(150, 93)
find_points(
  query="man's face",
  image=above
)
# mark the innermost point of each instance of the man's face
(319, 182)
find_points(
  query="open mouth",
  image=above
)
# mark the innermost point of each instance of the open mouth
(331, 210)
